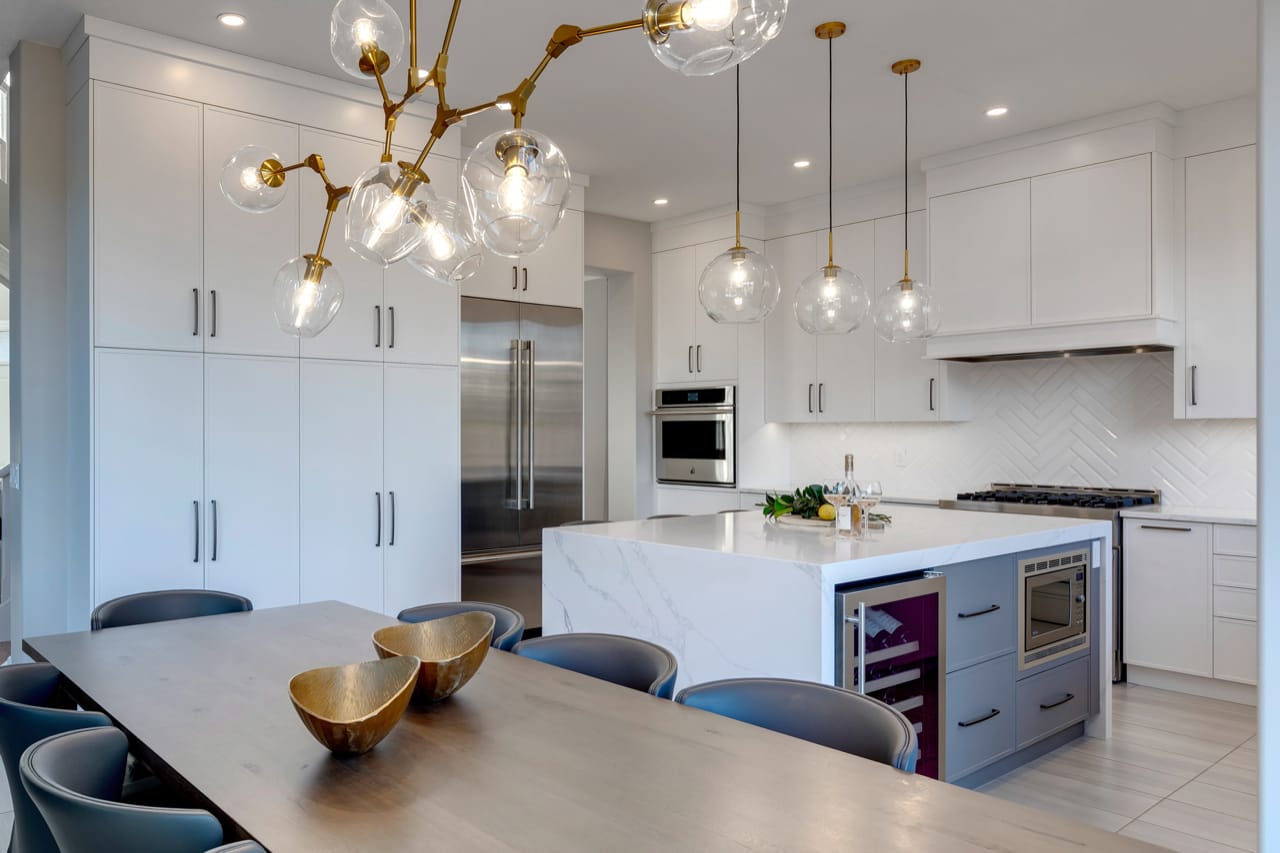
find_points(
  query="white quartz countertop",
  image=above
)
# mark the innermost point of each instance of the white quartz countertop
(1207, 515)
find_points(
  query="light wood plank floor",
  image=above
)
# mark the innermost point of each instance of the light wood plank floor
(1179, 771)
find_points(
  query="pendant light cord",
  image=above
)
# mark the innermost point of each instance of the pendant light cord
(906, 177)
(737, 156)
(831, 252)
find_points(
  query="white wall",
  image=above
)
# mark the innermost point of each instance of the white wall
(595, 398)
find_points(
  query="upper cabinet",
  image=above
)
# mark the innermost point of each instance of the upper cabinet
(553, 275)
(1217, 370)
(688, 346)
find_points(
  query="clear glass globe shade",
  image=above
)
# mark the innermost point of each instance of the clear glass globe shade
(306, 296)
(359, 24)
(906, 311)
(739, 286)
(243, 184)
(831, 301)
(384, 226)
(711, 35)
(515, 184)
(449, 250)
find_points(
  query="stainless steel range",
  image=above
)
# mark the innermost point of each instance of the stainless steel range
(1070, 502)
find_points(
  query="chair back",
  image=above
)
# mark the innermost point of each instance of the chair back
(164, 605)
(508, 624)
(627, 661)
(75, 780)
(830, 716)
(32, 708)
(239, 847)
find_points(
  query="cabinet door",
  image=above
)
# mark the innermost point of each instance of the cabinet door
(846, 363)
(790, 366)
(715, 345)
(242, 251)
(673, 297)
(420, 317)
(148, 472)
(980, 257)
(1091, 242)
(343, 504)
(553, 274)
(251, 477)
(421, 472)
(1168, 619)
(1222, 284)
(1235, 650)
(498, 278)
(146, 221)
(356, 333)
(907, 384)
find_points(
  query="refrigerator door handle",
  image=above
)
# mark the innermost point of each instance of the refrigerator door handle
(517, 368)
(532, 422)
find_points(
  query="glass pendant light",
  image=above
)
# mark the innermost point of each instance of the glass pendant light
(831, 300)
(306, 295)
(448, 249)
(383, 220)
(905, 310)
(252, 179)
(702, 37)
(365, 35)
(738, 286)
(515, 184)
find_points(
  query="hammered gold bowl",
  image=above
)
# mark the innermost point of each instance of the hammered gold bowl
(450, 650)
(349, 709)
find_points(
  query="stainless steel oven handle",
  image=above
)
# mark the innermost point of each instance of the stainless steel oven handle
(693, 410)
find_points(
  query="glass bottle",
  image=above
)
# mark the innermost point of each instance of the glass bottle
(844, 498)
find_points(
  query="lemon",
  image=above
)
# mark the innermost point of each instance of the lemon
(827, 512)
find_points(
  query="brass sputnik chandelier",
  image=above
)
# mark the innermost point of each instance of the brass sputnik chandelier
(514, 182)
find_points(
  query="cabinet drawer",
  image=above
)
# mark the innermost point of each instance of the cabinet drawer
(981, 611)
(1239, 540)
(1235, 571)
(1053, 700)
(1235, 650)
(980, 718)
(1235, 603)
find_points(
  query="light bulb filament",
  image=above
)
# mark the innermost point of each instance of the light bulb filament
(709, 14)
(365, 33)
(516, 191)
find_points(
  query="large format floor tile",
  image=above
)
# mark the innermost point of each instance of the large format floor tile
(1174, 840)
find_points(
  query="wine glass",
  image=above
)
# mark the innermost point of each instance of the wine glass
(870, 493)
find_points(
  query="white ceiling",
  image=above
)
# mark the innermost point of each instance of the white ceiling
(642, 131)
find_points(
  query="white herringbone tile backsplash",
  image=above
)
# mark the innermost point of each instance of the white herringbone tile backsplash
(1104, 421)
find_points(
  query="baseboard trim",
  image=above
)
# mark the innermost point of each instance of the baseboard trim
(983, 775)
(1210, 688)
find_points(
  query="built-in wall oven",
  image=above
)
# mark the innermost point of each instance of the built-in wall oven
(694, 437)
(1053, 606)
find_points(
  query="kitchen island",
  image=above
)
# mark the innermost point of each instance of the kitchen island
(736, 595)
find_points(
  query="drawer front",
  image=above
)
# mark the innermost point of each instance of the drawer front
(1051, 701)
(982, 611)
(1235, 650)
(1235, 603)
(980, 716)
(1240, 540)
(1235, 571)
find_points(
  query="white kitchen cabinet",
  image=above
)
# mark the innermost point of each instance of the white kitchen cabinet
(251, 477)
(845, 368)
(674, 281)
(790, 352)
(553, 275)
(423, 548)
(497, 278)
(681, 500)
(980, 257)
(242, 251)
(1168, 594)
(1220, 359)
(344, 508)
(149, 472)
(147, 260)
(1235, 650)
(1091, 243)
(715, 351)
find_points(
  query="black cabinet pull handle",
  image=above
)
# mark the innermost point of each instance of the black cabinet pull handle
(932, 382)
(699, 358)
(214, 507)
(377, 326)
(526, 278)
(196, 506)
(1193, 385)
(195, 312)
(391, 322)
(995, 712)
(213, 314)
(992, 609)
(515, 277)
(377, 501)
(1170, 529)
(811, 398)
(1061, 701)
(392, 540)
(691, 358)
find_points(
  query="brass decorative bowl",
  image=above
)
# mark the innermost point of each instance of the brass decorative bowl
(450, 649)
(349, 709)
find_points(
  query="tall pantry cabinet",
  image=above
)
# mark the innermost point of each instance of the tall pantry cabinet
(222, 454)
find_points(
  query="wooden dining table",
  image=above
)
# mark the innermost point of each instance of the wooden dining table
(525, 757)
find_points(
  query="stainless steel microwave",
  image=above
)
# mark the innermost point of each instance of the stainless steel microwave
(1053, 606)
(694, 436)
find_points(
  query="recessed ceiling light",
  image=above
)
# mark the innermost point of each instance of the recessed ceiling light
(231, 19)
(661, 201)
(801, 164)
(996, 112)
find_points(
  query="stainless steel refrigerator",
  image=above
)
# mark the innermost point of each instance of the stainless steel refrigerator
(521, 444)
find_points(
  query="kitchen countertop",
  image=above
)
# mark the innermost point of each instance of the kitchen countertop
(1206, 515)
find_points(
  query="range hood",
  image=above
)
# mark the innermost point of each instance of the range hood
(1112, 337)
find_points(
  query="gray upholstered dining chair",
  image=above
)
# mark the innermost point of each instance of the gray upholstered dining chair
(627, 661)
(75, 780)
(508, 625)
(33, 706)
(830, 716)
(164, 605)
